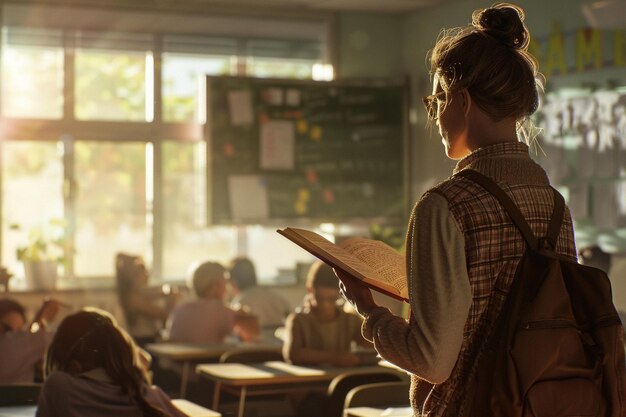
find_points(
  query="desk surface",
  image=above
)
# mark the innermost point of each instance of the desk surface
(275, 373)
(378, 412)
(193, 409)
(188, 352)
(18, 411)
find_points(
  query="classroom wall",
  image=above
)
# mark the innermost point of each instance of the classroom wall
(370, 46)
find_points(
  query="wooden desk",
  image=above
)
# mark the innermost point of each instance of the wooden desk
(378, 412)
(193, 409)
(271, 377)
(187, 354)
(18, 411)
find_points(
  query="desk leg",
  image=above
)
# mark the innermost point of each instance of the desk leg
(242, 400)
(216, 395)
(183, 379)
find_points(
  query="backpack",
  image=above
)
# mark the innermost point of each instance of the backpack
(556, 348)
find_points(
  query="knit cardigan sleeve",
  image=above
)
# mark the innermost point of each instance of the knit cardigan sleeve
(429, 343)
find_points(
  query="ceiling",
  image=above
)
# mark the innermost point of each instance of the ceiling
(381, 6)
(386, 6)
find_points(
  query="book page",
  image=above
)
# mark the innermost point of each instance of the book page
(375, 263)
(387, 263)
(337, 252)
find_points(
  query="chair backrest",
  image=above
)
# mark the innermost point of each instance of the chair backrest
(19, 394)
(342, 384)
(251, 356)
(380, 394)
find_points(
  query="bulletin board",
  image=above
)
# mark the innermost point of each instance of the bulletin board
(291, 149)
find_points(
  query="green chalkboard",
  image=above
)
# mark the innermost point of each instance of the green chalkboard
(287, 149)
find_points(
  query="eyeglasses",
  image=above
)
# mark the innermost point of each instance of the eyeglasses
(430, 103)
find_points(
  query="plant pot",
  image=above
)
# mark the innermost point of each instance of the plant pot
(40, 275)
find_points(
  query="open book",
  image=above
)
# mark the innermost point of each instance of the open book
(377, 264)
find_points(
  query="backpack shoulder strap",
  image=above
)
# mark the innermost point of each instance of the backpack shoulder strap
(516, 215)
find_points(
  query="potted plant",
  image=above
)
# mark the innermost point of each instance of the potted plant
(42, 254)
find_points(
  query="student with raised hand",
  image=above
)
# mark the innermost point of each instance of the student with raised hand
(322, 332)
(208, 319)
(268, 305)
(22, 346)
(94, 369)
(145, 311)
(461, 243)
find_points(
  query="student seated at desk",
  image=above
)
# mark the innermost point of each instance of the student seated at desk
(208, 320)
(268, 305)
(22, 347)
(145, 310)
(93, 368)
(322, 332)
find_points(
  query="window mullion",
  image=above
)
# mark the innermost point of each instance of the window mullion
(69, 179)
(69, 203)
(157, 163)
(68, 75)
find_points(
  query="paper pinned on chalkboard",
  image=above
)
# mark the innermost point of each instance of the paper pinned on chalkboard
(240, 107)
(277, 145)
(248, 197)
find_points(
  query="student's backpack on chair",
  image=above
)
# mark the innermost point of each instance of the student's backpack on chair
(557, 346)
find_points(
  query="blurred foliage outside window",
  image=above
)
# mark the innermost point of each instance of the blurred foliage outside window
(111, 209)
(279, 68)
(32, 82)
(183, 84)
(110, 85)
(32, 194)
(185, 238)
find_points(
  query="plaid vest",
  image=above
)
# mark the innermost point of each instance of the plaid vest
(493, 249)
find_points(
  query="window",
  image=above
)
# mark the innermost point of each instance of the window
(185, 237)
(184, 84)
(282, 58)
(279, 68)
(32, 185)
(111, 205)
(112, 83)
(187, 60)
(32, 73)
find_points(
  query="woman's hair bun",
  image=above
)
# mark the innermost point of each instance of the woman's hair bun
(504, 22)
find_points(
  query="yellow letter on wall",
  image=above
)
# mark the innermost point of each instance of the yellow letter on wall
(588, 49)
(619, 48)
(535, 51)
(555, 55)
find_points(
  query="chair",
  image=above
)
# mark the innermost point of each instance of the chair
(380, 394)
(250, 356)
(19, 394)
(341, 385)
